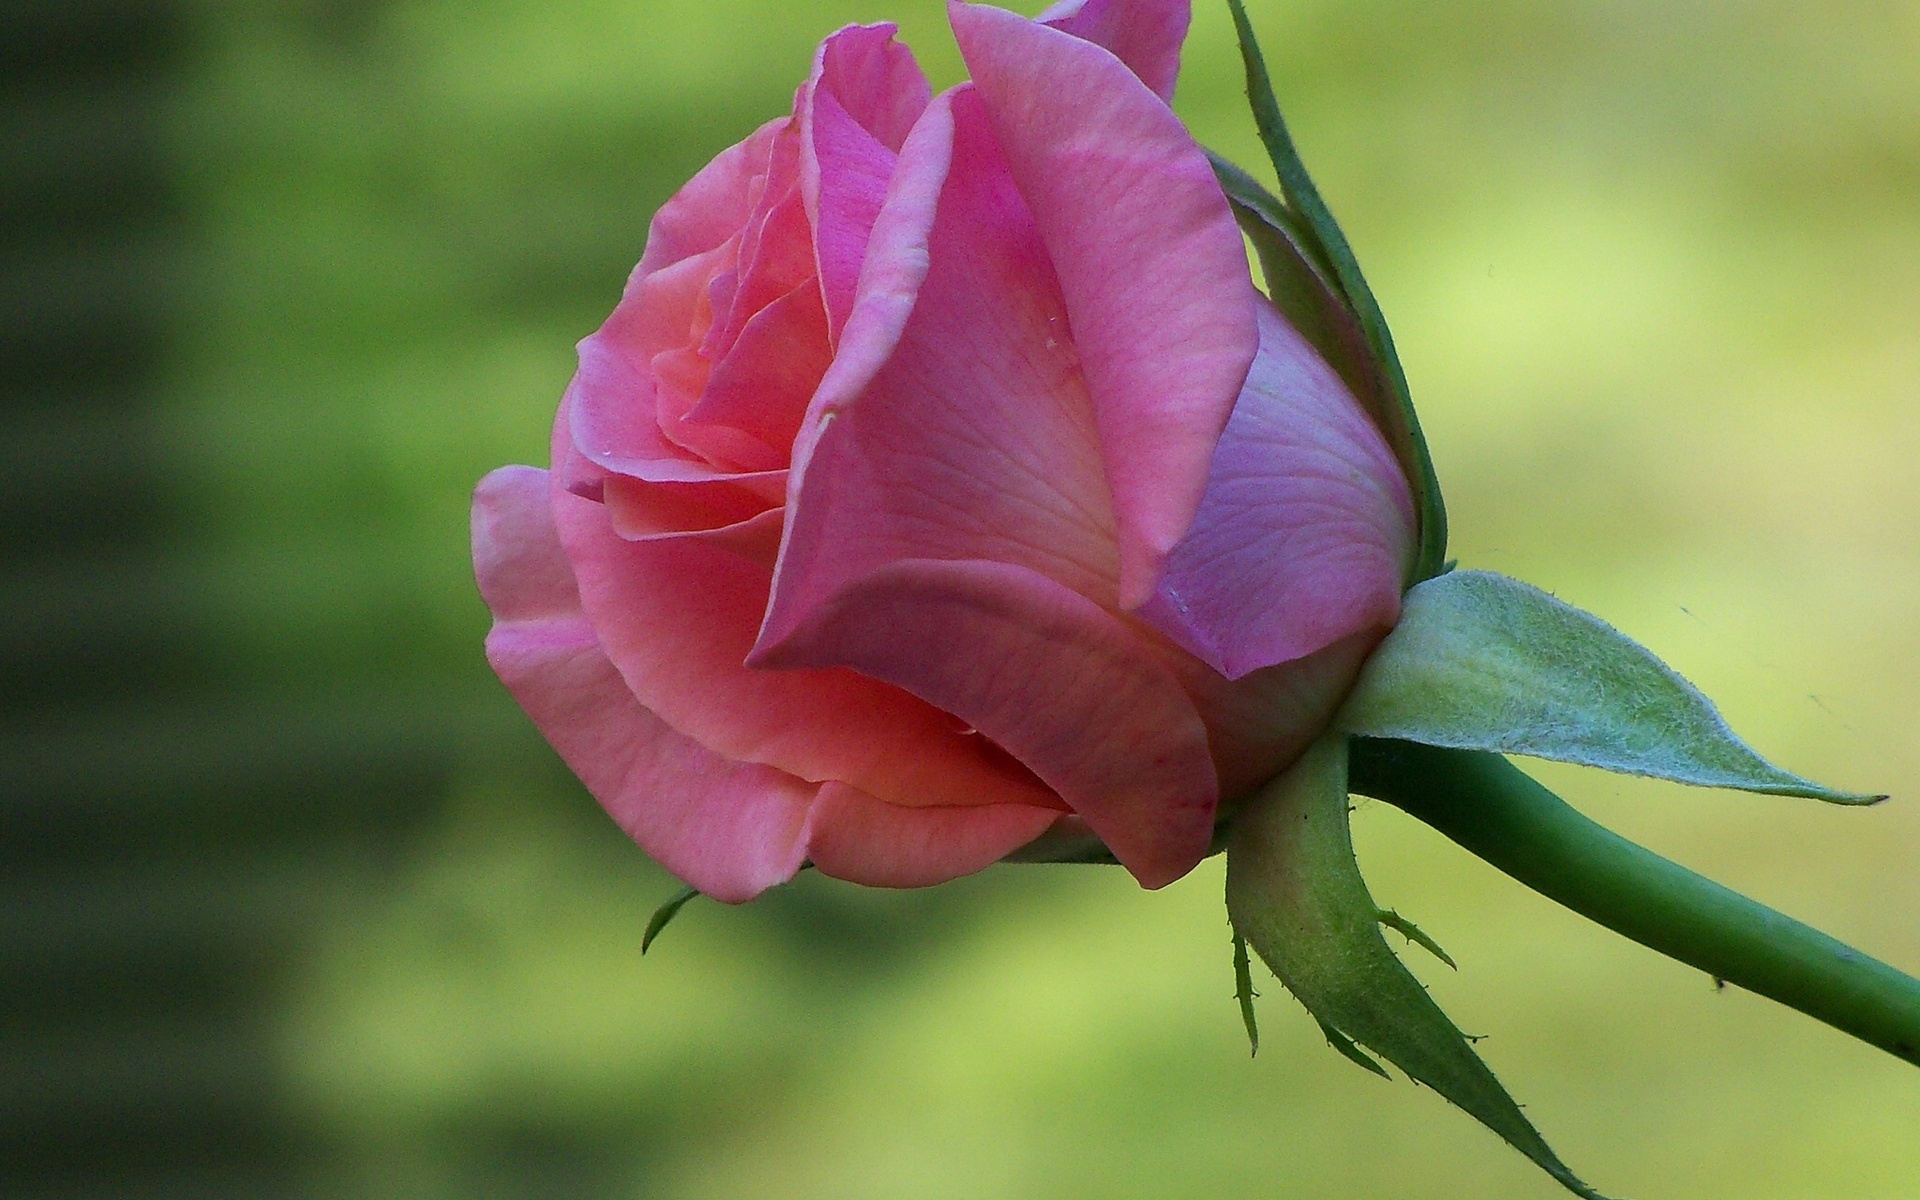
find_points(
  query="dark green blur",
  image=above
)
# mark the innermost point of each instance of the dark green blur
(293, 902)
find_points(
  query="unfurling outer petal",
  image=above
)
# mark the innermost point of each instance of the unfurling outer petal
(732, 829)
(1149, 259)
(1305, 524)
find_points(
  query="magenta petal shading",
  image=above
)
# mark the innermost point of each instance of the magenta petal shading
(973, 443)
(730, 829)
(1059, 682)
(875, 78)
(976, 438)
(867, 841)
(1149, 260)
(1306, 526)
(856, 112)
(850, 181)
(890, 277)
(1144, 34)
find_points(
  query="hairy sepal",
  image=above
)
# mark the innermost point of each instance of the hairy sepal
(1295, 894)
(1480, 661)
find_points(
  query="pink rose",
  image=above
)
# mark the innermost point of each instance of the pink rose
(941, 480)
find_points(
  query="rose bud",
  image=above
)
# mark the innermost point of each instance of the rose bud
(942, 481)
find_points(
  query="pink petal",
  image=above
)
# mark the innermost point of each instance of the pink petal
(867, 841)
(776, 245)
(674, 317)
(949, 428)
(762, 387)
(718, 514)
(975, 440)
(639, 509)
(730, 829)
(523, 577)
(1149, 261)
(855, 114)
(676, 497)
(874, 77)
(893, 270)
(1144, 34)
(1306, 525)
(609, 420)
(678, 617)
(1057, 680)
(640, 366)
(1259, 724)
(670, 309)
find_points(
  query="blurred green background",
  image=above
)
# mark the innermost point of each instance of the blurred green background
(293, 902)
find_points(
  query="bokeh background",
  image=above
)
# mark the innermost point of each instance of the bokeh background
(293, 902)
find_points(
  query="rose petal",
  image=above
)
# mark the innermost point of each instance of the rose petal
(895, 266)
(1057, 680)
(742, 512)
(639, 509)
(762, 387)
(1148, 256)
(867, 841)
(1305, 527)
(715, 513)
(610, 422)
(523, 577)
(1144, 34)
(670, 309)
(617, 396)
(875, 78)
(972, 441)
(976, 439)
(1259, 724)
(678, 616)
(846, 175)
(856, 112)
(776, 246)
(730, 829)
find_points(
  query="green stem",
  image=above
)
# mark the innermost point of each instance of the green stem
(1490, 807)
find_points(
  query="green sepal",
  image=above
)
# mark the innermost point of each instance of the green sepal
(1352, 1053)
(1325, 248)
(1302, 282)
(1483, 662)
(1296, 895)
(663, 915)
(1243, 993)
(1408, 930)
